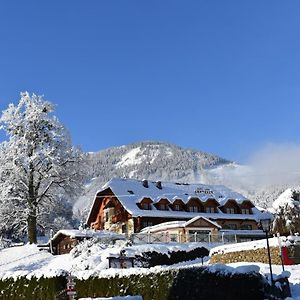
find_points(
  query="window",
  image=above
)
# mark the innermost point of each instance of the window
(210, 209)
(176, 207)
(245, 211)
(231, 226)
(146, 224)
(146, 206)
(230, 210)
(193, 209)
(246, 227)
(163, 207)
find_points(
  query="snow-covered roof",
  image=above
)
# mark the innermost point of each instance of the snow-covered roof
(88, 233)
(187, 223)
(176, 224)
(131, 191)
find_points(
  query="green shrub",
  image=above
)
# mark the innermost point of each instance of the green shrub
(173, 284)
(153, 258)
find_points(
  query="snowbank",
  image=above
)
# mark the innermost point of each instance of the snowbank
(30, 262)
(85, 260)
(274, 242)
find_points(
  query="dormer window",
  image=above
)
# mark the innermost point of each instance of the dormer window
(246, 207)
(177, 207)
(162, 204)
(230, 210)
(193, 209)
(163, 207)
(245, 211)
(195, 205)
(210, 210)
(146, 206)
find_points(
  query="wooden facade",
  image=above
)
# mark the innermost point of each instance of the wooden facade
(66, 239)
(63, 244)
(111, 215)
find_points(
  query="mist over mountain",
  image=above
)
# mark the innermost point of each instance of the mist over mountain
(167, 162)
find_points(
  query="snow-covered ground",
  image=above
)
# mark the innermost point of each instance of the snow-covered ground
(83, 261)
(273, 242)
(29, 261)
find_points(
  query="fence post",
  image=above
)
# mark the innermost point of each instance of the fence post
(195, 237)
(223, 237)
(235, 238)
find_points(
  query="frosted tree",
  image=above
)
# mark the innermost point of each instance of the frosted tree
(287, 213)
(38, 165)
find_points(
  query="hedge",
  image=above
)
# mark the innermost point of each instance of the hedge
(153, 258)
(178, 284)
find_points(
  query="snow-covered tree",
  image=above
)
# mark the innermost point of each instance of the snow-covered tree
(39, 167)
(60, 223)
(287, 213)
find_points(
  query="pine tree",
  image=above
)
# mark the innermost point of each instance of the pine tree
(38, 165)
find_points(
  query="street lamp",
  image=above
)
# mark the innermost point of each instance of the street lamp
(266, 226)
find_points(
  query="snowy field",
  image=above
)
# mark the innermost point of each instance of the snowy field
(29, 261)
(83, 261)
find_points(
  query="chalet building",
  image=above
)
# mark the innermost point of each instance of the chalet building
(66, 239)
(128, 206)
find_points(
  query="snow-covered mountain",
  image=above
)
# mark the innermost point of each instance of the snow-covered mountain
(167, 162)
(151, 160)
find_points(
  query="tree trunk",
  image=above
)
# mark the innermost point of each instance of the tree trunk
(31, 227)
(31, 218)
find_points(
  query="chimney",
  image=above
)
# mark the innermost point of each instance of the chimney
(158, 185)
(145, 183)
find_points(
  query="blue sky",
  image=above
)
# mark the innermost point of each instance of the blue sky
(220, 76)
